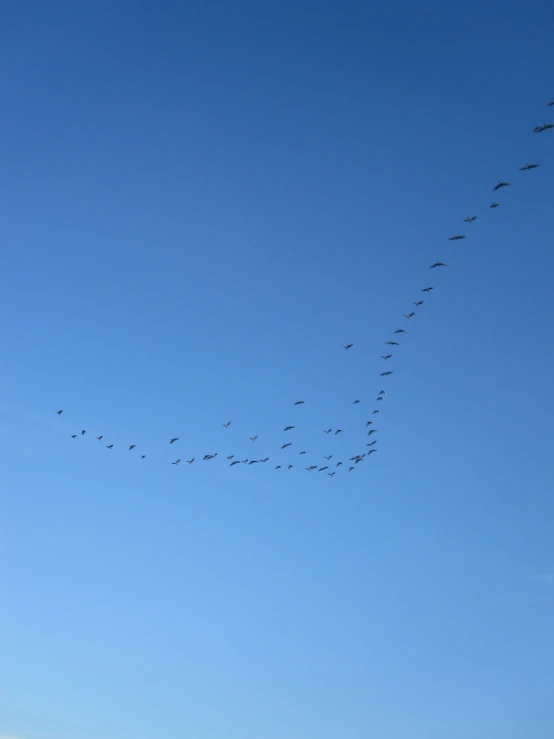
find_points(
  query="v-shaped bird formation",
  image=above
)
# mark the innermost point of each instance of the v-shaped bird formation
(289, 455)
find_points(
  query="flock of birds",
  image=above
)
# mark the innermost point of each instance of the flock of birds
(328, 464)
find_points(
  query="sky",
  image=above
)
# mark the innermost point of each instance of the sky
(201, 203)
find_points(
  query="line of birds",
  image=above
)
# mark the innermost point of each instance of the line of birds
(370, 445)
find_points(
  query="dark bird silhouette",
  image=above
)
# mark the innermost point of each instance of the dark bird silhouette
(299, 402)
(83, 432)
(409, 315)
(370, 423)
(457, 237)
(550, 103)
(379, 397)
(252, 461)
(227, 424)
(190, 461)
(73, 436)
(386, 356)
(322, 469)
(494, 205)
(355, 402)
(234, 463)
(288, 428)
(312, 467)
(500, 184)
(99, 438)
(392, 343)
(328, 457)
(437, 264)
(278, 467)
(253, 438)
(284, 446)
(331, 474)
(371, 431)
(350, 469)
(175, 438)
(543, 127)
(382, 392)
(231, 456)
(143, 456)
(131, 446)
(427, 289)
(302, 452)
(109, 446)
(339, 464)
(347, 346)
(264, 460)
(60, 412)
(470, 219)
(375, 411)
(400, 331)
(290, 467)
(327, 431)
(385, 374)
(417, 303)
(176, 461)
(371, 451)
(338, 431)
(529, 167)
(371, 443)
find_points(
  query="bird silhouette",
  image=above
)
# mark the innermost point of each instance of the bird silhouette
(338, 431)
(427, 289)
(457, 237)
(284, 446)
(417, 303)
(253, 438)
(328, 457)
(385, 374)
(99, 438)
(347, 346)
(356, 402)
(73, 436)
(500, 184)
(83, 432)
(227, 424)
(175, 438)
(143, 456)
(60, 412)
(400, 331)
(327, 431)
(409, 315)
(109, 446)
(176, 461)
(331, 474)
(299, 402)
(437, 264)
(278, 467)
(494, 205)
(131, 446)
(386, 356)
(371, 431)
(529, 167)
(392, 343)
(190, 461)
(470, 219)
(288, 428)
(302, 452)
(290, 467)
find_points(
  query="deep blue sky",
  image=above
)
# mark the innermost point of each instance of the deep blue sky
(200, 203)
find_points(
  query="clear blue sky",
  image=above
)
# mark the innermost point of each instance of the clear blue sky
(201, 202)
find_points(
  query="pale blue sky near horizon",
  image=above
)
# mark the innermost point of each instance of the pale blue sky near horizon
(200, 203)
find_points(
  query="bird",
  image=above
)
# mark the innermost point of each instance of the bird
(328, 457)
(371, 431)
(379, 397)
(288, 428)
(284, 446)
(409, 315)
(299, 402)
(234, 463)
(252, 461)
(143, 456)
(355, 402)
(371, 443)
(73, 436)
(369, 423)
(371, 451)
(392, 343)
(544, 127)
(437, 264)
(175, 438)
(266, 459)
(176, 461)
(278, 467)
(253, 438)
(338, 431)
(550, 103)
(470, 219)
(417, 303)
(190, 461)
(131, 446)
(494, 205)
(375, 411)
(83, 432)
(347, 346)
(290, 466)
(99, 438)
(386, 356)
(230, 456)
(227, 424)
(385, 374)
(339, 464)
(400, 331)
(457, 237)
(322, 469)
(499, 184)
(302, 452)
(312, 467)
(327, 431)
(109, 446)
(529, 167)
(382, 392)
(427, 289)
(60, 412)
(331, 474)
(350, 469)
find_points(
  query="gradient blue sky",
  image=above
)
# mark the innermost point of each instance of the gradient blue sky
(201, 202)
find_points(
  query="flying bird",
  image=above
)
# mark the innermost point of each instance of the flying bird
(234, 463)
(437, 264)
(288, 428)
(375, 411)
(351, 468)
(550, 103)
(99, 438)
(227, 424)
(328, 457)
(176, 461)
(544, 127)
(500, 184)
(327, 431)
(338, 431)
(371, 431)
(253, 438)
(284, 446)
(339, 464)
(470, 219)
(83, 432)
(371, 451)
(382, 392)
(370, 423)
(231, 456)
(109, 446)
(457, 237)
(131, 446)
(392, 343)
(427, 289)
(278, 467)
(348, 346)
(331, 474)
(252, 461)
(386, 356)
(299, 402)
(409, 315)
(73, 436)
(321, 469)
(385, 374)
(290, 466)
(371, 443)
(266, 459)
(312, 467)
(302, 452)
(143, 456)
(529, 167)
(60, 412)
(175, 438)
(190, 461)
(355, 402)
(417, 303)
(494, 205)
(400, 331)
